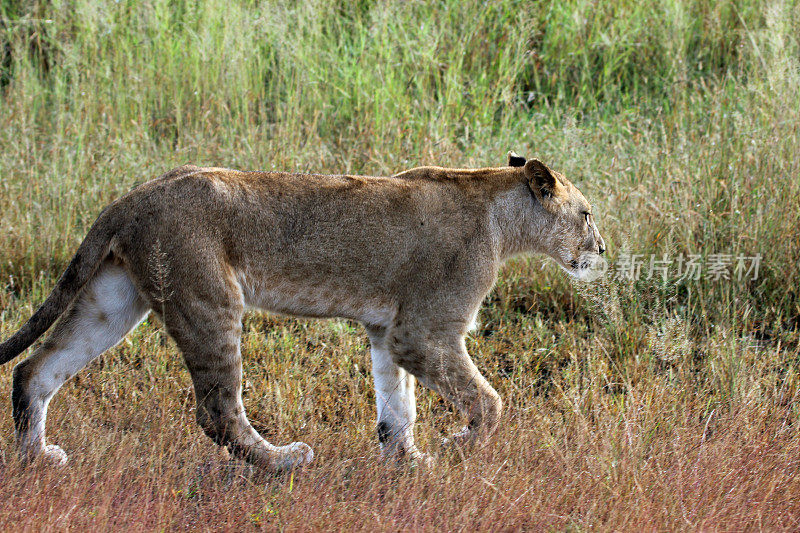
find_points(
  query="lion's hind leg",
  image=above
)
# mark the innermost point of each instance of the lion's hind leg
(107, 308)
(208, 332)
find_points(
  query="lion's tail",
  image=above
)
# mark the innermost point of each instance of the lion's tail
(94, 248)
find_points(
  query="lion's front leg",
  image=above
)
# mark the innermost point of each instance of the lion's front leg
(440, 362)
(395, 401)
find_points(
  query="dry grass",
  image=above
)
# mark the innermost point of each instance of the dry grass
(654, 450)
(628, 405)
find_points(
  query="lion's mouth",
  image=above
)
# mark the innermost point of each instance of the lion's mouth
(589, 267)
(578, 266)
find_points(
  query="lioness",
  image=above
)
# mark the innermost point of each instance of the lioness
(410, 256)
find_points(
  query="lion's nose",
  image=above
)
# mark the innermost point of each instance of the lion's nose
(601, 246)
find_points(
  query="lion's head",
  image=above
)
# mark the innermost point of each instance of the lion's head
(566, 229)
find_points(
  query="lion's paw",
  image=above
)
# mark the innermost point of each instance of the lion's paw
(422, 461)
(461, 438)
(53, 455)
(294, 455)
(458, 442)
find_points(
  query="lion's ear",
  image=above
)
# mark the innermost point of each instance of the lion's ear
(515, 160)
(542, 181)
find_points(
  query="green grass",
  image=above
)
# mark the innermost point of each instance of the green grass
(629, 404)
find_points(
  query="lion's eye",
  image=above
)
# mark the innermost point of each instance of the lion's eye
(586, 216)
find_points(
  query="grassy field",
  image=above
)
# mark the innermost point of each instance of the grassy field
(653, 403)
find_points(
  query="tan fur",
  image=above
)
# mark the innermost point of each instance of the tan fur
(410, 256)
